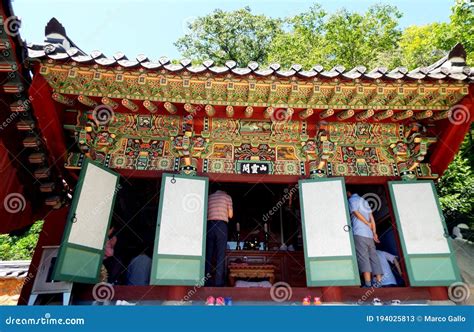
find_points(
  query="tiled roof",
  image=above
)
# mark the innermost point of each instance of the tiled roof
(59, 47)
(14, 269)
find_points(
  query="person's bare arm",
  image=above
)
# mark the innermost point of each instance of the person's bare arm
(361, 218)
(230, 210)
(373, 227)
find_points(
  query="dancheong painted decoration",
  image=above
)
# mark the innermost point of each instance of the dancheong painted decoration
(161, 116)
(154, 131)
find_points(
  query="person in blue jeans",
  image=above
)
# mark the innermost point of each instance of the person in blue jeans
(365, 236)
(219, 211)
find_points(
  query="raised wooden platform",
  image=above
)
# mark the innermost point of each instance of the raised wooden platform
(348, 294)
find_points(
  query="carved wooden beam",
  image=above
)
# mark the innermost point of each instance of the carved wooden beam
(210, 110)
(402, 115)
(423, 115)
(170, 107)
(130, 105)
(87, 101)
(442, 115)
(62, 99)
(383, 115)
(365, 115)
(229, 111)
(344, 115)
(268, 112)
(327, 113)
(109, 102)
(189, 108)
(150, 106)
(248, 111)
(306, 113)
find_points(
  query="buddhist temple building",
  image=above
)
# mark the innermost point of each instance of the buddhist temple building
(91, 142)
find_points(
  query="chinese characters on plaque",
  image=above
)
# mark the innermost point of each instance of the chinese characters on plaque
(254, 168)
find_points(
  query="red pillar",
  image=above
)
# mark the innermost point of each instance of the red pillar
(332, 294)
(438, 293)
(177, 293)
(451, 138)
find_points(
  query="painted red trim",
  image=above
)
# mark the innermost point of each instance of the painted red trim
(328, 294)
(50, 120)
(451, 138)
(247, 178)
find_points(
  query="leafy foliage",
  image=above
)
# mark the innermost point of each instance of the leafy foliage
(238, 35)
(344, 38)
(456, 191)
(20, 247)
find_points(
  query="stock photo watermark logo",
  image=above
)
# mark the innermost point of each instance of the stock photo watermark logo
(8, 121)
(103, 114)
(193, 291)
(14, 203)
(103, 292)
(459, 114)
(288, 192)
(459, 292)
(12, 26)
(371, 203)
(281, 292)
(281, 115)
(192, 203)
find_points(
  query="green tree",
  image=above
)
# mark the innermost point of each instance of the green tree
(423, 45)
(237, 35)
(456, 191)
(345, 38)
(20, 246)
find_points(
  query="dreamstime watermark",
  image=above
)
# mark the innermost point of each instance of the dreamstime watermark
(192, 202)
(46, 320)
(279, 204)
(103, 114)
(106, 202)
(14, 203)
(12, 26)
(8, 121)
(194, 290)
(281, 292)
(371, 202)
(28, 279)
(103, 292)
(459, 114)
(459, 292)
(281, 115)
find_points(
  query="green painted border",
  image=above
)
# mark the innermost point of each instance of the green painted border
(202, 259)
(64, 242)
(309, 281)
(402, 238)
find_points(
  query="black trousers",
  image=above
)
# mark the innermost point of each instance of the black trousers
(216, 244)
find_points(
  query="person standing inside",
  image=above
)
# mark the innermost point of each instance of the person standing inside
(219, 211)
(365, 236)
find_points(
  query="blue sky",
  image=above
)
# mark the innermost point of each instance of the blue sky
(151, 27)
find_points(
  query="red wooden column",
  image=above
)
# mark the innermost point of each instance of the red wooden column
(450, 140)
(438, 293)
(50, 120)
(332, 294)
